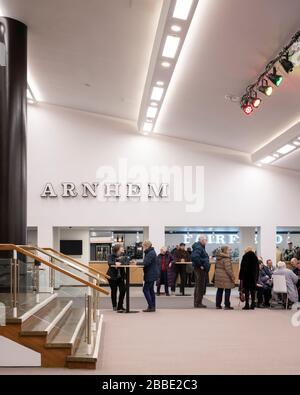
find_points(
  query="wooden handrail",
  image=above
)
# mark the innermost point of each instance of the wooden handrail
(82, 268)
(13, 247)
(78, 263)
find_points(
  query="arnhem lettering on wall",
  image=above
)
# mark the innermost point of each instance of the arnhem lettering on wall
(110, 190)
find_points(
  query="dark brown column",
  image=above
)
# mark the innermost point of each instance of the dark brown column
(13, 111)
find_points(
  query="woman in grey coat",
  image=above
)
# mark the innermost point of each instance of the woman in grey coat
(291, 281)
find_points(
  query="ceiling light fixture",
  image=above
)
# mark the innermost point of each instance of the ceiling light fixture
(268, 159)
(287, 64)
(176, 28)
(254, 100)
(283, 58)
(171, 46)
(275, 78)
(166, 64)
(182, 9)
(265, 88)
(151, 112)
(157, 93)
(296, 143)
(286, 149)
(176, 17)
(247, 108)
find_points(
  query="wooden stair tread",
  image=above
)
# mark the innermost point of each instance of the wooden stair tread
(25, 303)
(65, 335)
(81, 353)
(40, 321)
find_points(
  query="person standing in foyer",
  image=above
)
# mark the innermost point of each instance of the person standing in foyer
(151, 274)
(224, 277)
(200, 261)
(117, 276)
(248, 277)
(164, 261)
(180, 255)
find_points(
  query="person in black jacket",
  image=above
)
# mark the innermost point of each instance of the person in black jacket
(164, 262)
(117, 276)
(151, 274)
(248, 276)
(200, 261)
(180, 255)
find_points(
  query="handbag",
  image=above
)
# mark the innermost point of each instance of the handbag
(242, 297)
(242, 293)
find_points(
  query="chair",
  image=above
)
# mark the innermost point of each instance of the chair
(279, 287)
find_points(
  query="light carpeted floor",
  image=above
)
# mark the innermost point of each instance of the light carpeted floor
(194, 341)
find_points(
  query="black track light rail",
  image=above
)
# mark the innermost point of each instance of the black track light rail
(285, 50)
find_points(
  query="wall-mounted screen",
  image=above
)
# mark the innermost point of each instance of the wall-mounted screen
(71, 247)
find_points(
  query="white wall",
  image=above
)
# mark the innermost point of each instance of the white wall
(14, 354)
(67, 145)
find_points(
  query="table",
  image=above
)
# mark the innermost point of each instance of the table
(127, 284)
(183, 287)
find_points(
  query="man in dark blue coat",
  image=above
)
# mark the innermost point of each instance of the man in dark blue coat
(200, 260)
(151, 273)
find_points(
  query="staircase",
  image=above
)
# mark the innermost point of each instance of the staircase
(55, 328)
(64, 330)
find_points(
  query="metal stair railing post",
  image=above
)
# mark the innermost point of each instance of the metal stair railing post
(14, 283)
(98, 299)
(52, 276)
(88, 317)
(36, 283)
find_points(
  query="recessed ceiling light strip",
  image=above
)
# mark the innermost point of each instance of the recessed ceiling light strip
(284, 144)
(279, 153)
(176, 17)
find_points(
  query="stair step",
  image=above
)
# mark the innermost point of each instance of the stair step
(28, 304)
(67, 332)
(45, 320)
(81, 357)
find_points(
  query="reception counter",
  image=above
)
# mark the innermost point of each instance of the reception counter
(136, 275)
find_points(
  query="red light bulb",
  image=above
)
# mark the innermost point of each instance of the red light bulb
(247, 109)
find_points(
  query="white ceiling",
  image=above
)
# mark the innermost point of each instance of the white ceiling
(228, 46)
(108, 44)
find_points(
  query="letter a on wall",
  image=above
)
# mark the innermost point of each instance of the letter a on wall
(48, 191)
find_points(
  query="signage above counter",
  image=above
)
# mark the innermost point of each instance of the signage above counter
(107, 190)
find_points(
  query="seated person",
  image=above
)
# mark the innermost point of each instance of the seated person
(291, 281)
(269, 268)
(264, 287)
(294, 262)
(296, 270)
